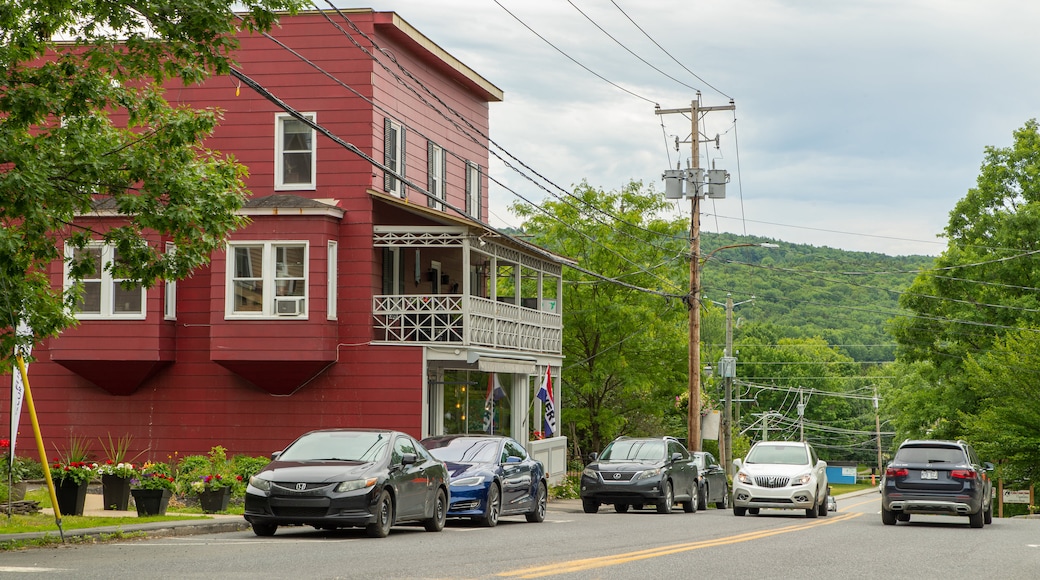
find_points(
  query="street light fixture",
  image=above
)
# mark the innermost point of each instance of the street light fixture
(694, 411)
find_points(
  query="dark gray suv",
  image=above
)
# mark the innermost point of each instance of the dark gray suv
(937, 477)
(637, 471)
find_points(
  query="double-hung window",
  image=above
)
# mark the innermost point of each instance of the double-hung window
(473, 178)
(393, 157)
(267, 279)
(436, 170)
(295, 158)
(104, 295)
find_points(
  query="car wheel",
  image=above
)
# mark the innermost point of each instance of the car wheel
(976, 519)
(537, 515)
(493, 508)
(813, 512)
(722, 504)
(384, 517)
(901, 517)
(988, 516)
(753, 511)
(690, 506)
(589, 506)
(621, 507)
(822, 511)
(888, 517)
(702, 498)
(665, 505)
(440, 513)
(264, 529)
(739, 511)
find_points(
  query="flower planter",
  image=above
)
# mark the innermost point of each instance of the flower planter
(214, 500)
(151, 502)
(116, 492)
(71, 497)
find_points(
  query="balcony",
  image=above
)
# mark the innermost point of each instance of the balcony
(464, 320)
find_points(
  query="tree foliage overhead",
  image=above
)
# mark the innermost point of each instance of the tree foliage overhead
(84, 124)
(982, 294)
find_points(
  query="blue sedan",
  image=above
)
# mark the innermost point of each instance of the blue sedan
(491, 476)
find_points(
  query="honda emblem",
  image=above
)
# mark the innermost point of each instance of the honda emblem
(301, 486)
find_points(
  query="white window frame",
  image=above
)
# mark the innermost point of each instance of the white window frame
(473, 190)
(107, 285)
(395, 158)
(437, 168)
(267, 278)
(170, 295)
(333, 269)
(280, 153)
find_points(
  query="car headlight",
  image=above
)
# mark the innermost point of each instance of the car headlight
(744, 478)
(801, 479)
(355, 484)
(649, 473)
(589, 472)
(259, 483)
(468, 481)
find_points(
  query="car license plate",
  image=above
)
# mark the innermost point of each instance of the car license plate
(929, 474)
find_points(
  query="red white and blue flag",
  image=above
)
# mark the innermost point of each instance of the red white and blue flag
(545, 395)
(495, 392)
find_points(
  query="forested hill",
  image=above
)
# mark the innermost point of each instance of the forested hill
(843, 297)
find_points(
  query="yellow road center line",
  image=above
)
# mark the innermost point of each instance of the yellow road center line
(616, 559)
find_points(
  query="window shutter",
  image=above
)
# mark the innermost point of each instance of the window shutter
(431, 170)
(388, 180)
(480, 176)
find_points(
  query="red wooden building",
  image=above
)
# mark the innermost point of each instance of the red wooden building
(351, 298)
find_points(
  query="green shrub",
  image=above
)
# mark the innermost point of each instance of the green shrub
(568, 488)
(243, 467)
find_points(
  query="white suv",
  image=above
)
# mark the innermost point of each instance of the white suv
(780, 475)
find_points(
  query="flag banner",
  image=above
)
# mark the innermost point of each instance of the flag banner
(495, 392)
(17, 388)
(545, 395)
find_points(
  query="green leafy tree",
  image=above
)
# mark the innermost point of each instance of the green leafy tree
(983, 287)
(84, 126)
(625, 349)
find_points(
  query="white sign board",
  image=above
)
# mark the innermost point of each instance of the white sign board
(848, 472)
(1016, 496)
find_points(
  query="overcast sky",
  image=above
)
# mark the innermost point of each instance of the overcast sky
(859, 123)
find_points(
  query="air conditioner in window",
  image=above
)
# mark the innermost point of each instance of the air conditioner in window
(288, 306)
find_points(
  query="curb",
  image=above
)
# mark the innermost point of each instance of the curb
(153, 529)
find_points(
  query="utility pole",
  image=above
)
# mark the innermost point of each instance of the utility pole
(695, 181)
(877, 428)
(801, 416)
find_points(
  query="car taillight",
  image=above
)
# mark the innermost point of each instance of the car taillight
(963, 474)
(897, 472)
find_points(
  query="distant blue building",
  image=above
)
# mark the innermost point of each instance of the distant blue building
(842, 471)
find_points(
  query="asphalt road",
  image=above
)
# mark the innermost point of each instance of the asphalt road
(849, 543)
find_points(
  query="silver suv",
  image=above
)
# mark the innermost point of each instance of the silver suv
(780, 475)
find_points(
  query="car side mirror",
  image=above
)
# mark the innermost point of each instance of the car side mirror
(737, 464)
(987, 466)
(593, 456)
(408, 458)
(676, 457)
(512, 459)
(276, 455)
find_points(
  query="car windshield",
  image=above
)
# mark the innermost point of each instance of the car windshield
(929, 455)
(464, 449)
(634, 450)
(338, 446)
(779, 454)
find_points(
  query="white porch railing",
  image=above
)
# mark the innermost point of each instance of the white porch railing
(466, 321)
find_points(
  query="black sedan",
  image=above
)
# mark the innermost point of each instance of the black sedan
(336, 478)
(714, 486)
(491, 476)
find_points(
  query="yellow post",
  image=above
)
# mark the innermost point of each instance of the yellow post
(39, 442)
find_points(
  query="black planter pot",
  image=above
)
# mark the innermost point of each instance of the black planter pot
(71, 497)
(214, 500)
(116, 491)
(151, 502)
